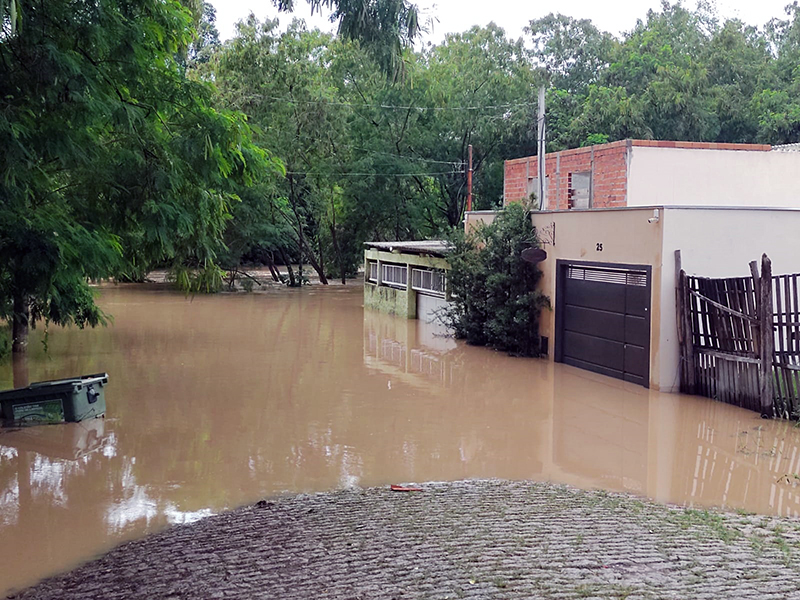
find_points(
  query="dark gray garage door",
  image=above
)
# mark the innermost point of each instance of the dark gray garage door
(603, 319)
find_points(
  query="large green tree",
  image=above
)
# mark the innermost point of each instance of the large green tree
(384, 27)
(280, 80)
(573, 52)
(113, 160)
(481, 85)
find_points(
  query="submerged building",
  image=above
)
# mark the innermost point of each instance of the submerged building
(408, 279)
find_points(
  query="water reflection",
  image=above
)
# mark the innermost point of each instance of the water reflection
(70, 441)
(601, 433)
(402, 347)
(218, 401)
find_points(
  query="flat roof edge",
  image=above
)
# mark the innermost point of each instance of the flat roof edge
(670, 144)
(669, 207)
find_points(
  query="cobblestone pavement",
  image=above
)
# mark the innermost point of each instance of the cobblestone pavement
(473, 539)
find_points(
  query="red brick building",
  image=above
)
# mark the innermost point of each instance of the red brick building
(650, 172)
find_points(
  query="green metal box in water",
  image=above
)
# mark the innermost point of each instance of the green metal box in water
(56, 401)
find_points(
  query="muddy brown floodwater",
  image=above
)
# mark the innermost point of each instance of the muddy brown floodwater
(220, 400)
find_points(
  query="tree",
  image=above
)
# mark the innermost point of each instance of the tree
(495, 300)
(113, 160)
(573, 52)
(776, 107)
(384, 27)
(280, 81)
(206, 42)
(679, 74)
(609, 112)
(479, 86)
(370, 157)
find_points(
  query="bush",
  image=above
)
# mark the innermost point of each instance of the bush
(495, 300)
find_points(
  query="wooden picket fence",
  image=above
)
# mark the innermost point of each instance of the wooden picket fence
(740, 339)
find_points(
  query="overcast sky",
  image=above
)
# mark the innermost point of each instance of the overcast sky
(615, 16)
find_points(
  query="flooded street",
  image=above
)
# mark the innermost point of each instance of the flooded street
(218, 401)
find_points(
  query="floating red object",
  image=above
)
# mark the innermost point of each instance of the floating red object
(400, 488)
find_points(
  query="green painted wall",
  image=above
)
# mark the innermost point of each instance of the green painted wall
(402, 303)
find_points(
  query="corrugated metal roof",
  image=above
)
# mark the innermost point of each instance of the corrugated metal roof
(786, 148)
(432, 247)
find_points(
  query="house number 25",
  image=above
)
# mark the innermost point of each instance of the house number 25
(599, 247)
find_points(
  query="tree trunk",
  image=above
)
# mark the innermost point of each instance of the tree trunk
(19, 369)
(276, 276)
(20, 323)
(338, 251)
(321, 255)
(313, 262)
(300, 237)
(285, 260)
(302, 243)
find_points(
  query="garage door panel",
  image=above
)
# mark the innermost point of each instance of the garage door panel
(636, 300)
(595, 322)
(636, 359)
(594, 368)
(637, 379)
(606, 353)
(595, 294)
(637, 330)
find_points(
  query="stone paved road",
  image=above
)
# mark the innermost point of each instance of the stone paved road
(474, 539)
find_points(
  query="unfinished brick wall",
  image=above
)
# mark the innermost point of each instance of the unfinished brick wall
(607, 163)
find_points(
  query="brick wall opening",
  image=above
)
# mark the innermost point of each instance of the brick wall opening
(579, 192)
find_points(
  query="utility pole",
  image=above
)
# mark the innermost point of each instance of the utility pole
(541, 136)
(469, 179)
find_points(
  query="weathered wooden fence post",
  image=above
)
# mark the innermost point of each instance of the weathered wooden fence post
(679, 308)
(766, 329)
(757, 295)
(685, 342)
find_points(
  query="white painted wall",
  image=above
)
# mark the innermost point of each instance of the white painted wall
(686, 177)
(718, 243)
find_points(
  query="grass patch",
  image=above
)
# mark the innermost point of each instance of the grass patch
(692, 519)
(500, 583)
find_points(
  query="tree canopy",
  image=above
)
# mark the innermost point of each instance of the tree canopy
(114, 161)
(679, 74)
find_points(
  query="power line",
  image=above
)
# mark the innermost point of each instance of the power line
(396, 107)
(374, 174)
(404, 157)
(379, 152)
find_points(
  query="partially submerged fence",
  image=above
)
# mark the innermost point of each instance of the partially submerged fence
(740, 339)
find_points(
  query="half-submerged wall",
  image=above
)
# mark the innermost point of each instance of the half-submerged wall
(389, 284)
(402, 303)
